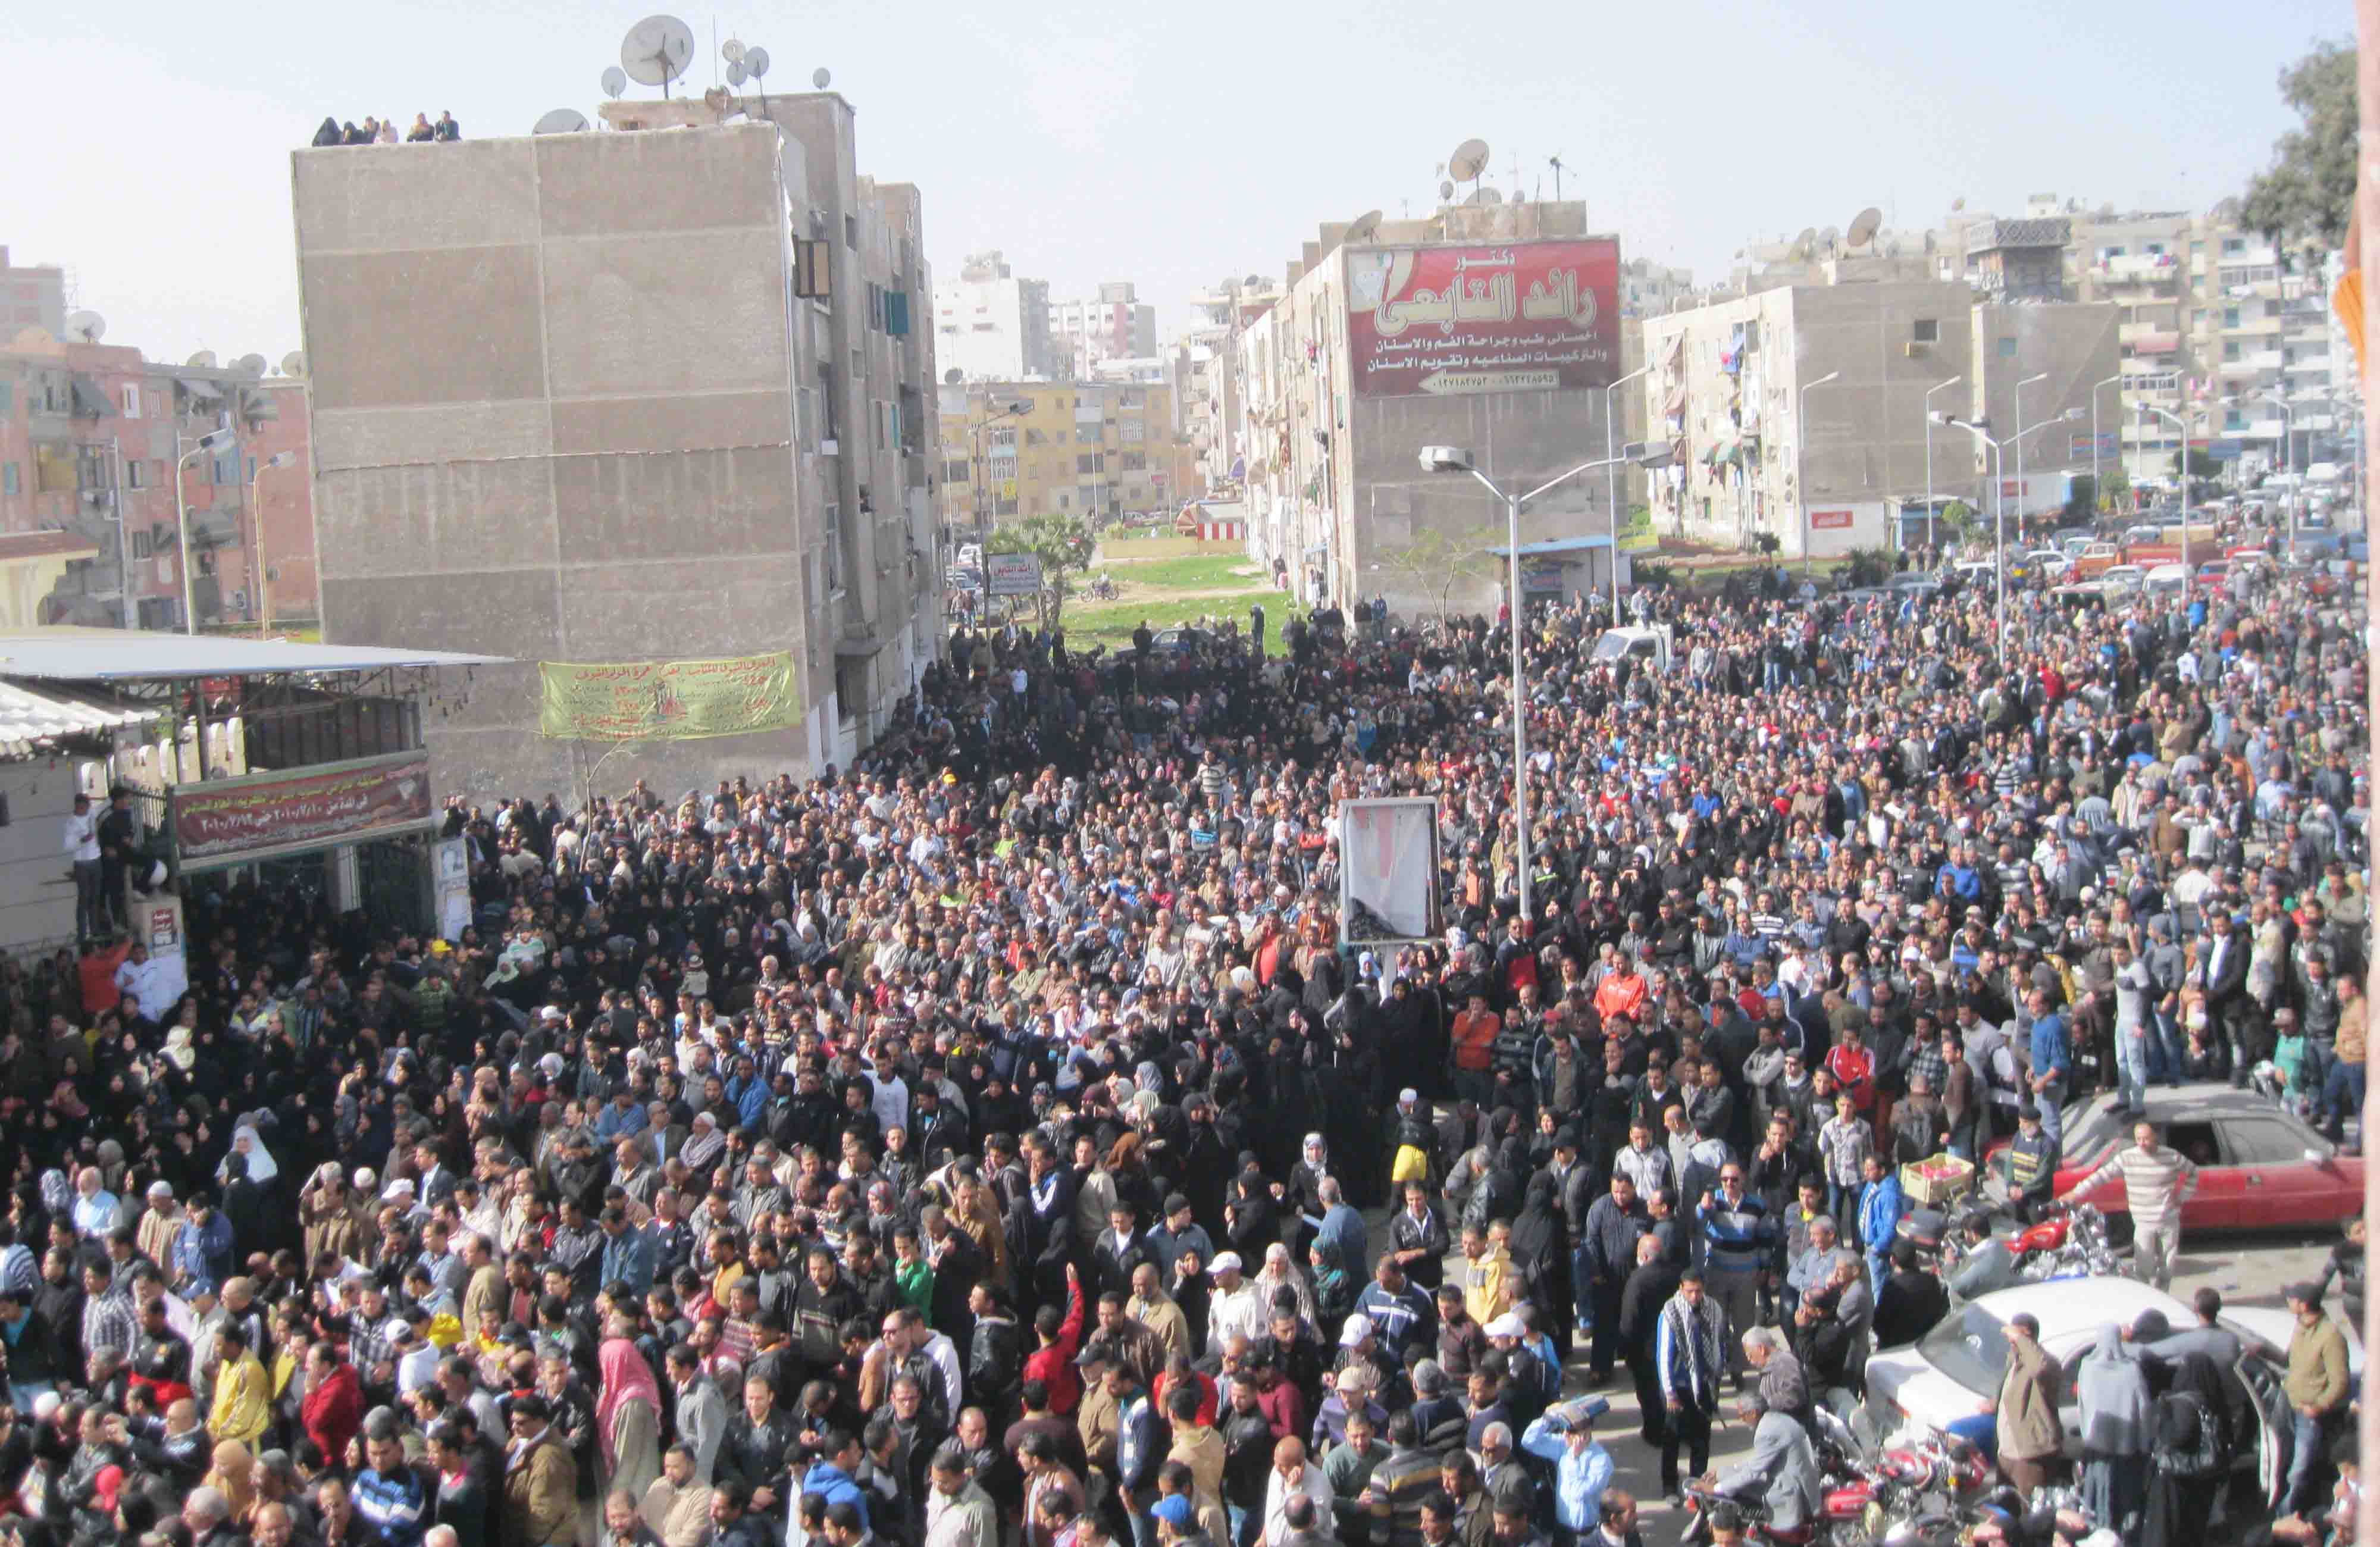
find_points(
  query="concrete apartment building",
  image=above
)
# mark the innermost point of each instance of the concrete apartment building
(31, 296)
(989, 326)
(1829, 469)
(635, 397)
(1115, 324)
(1364, 360)
(90, 435)
(1094, 449)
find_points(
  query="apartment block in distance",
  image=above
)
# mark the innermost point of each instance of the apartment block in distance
(626, 398)
(989, 326)
(1094, 449)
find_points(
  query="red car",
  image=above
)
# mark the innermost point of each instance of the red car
(2259, 1167)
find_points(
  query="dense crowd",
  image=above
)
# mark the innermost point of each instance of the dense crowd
(994, 1145)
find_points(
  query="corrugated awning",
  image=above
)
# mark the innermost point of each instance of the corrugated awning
(1676, 402)
(91, 398)
(29, 717)
(198, 388)
(212, 528)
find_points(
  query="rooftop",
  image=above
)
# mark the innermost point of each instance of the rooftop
(68, 654)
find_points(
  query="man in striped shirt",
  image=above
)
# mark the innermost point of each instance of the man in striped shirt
(2156, 1181)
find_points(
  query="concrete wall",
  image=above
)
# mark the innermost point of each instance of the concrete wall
(36, 894)
(553, 419)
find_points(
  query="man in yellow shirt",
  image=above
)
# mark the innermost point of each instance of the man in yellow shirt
(243, 1404)
(1487, 1277)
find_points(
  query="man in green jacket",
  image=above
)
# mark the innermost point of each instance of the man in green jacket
(2317, 1388)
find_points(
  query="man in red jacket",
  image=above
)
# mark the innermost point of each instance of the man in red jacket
(1053, 1363)
(334, 1408)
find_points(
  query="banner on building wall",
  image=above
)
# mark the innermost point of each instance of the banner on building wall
(1509, 317)
(1830, 520)
(1388, 869)
(668, 701)
(241, 818)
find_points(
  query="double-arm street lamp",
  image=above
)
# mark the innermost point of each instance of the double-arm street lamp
(1980, 428)
(1457, 459)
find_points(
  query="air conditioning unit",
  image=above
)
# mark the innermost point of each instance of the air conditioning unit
(1915, 351)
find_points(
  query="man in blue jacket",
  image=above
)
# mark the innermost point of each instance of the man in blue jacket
(1879, 1217)
(2051, 1063)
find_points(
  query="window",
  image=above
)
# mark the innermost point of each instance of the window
(955, 470)
(1036, 437)
(131, 401)
(2265, 1142)
(813, 273)
(831, 418)
(1064, 503)
(2235, 244)
(896, 313)
(8, 398)
(851, 231)
(2198, 250)
(1090, 464)
(876, 306)
(8, 478)
(251, 474)
(833, 548)
(2231, 351)
(1927, 330)
(883, 416)
(142, 545)
(2234, 419)
(2007, 348)
(135, 474)
(2230, 316)
(1134, 461)
(850, 688)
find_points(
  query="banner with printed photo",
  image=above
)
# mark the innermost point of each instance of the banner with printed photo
(668, 701)
(1388, 869)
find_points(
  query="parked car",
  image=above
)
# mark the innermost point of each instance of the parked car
(2259, 1167)
(1181, 638)
(1917, 580)
(2166, 580)
(2122, 579)
(1942, 1379)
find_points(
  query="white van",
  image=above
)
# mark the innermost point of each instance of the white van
(2166, 580)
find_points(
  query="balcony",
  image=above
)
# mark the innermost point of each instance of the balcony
(2135, 267)
(2310, 365)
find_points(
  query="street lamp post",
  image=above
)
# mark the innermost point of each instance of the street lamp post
(1802, 460)
(1456, 460)
(2190, 578)
(975, 437)
(2096, 491)
(2288, 463)
(1612, 480)
(1980, 428)
(208, 445)
(1930, 541)
(256, 480)
(2036, 376)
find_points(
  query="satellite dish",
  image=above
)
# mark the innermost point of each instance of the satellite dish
(657, 50)
(249, 366)
(1367, 226)
(732, 51)
(720, 98)
(203, 361)
(616, 82)
(1828, 237)
(1864, 226)
(1485, 195)
(562, 120)
(735, 72)
(293, 364)
(820, 76)
(87, 326)
(1446, 190)
(1469, 160)
(953, 376)
(756, 62)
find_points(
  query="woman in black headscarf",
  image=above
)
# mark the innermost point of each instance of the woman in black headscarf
(2192, 1454)
(329, 134)
(1541, 1253)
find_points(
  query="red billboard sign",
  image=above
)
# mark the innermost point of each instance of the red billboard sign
(1509, 317)
(1830, 520)
(337, 803)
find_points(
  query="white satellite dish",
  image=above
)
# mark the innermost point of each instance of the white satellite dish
(293, 364)
(1366, 228)
(562, 120)
(732, 51)
(1446, 190)
(657, 51)
(249, 366)
(735, 72)
(1864, 226)
(756, 61)
(203, 361)
(821, 77)
(616, 82)
(88, 327)
(1469, 160)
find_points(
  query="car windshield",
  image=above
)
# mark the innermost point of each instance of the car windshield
(1611, 647)
(1971, 1348)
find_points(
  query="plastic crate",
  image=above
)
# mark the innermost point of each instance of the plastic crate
(1952, 1177)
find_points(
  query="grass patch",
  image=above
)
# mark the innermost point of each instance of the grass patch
(1189, 574)
(1117, 547)
(1111, 623)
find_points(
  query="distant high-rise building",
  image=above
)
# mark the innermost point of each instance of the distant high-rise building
(990, 325)
(1115, 325)
(31, 297)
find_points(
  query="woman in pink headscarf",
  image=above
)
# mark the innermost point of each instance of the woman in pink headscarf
(627, 1417)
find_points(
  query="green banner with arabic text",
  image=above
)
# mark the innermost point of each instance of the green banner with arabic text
(668, 701)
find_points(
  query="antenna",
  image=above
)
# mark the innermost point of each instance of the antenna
(1864, 226)
(87, 326)
(562, 120)
(615, 82)
(657, 51)
(820, 77)
(1366, 228)
(293, 364)
(249, 366)
(1555, 162)
(1469, 160)
(203, 361)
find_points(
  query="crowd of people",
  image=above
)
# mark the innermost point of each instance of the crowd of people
(998, 1144)
(383, 131)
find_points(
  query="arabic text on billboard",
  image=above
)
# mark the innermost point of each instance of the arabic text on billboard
(1523, 316)
(1012, 574)
(296, 810)
(668, 701)
(1830, 520)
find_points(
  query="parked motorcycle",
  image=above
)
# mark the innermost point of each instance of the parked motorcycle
(2068, 1240)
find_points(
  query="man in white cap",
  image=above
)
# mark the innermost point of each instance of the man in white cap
(160, 1222)
(1234, 1308)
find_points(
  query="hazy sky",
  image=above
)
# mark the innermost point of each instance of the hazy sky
(1170, 145)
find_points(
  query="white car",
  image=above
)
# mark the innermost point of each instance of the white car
(2122, 579)
(1945, 1377)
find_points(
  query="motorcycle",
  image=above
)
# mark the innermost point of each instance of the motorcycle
(1906, 1491)
(2070, 1242)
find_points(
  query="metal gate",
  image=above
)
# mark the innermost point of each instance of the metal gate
(393, 880)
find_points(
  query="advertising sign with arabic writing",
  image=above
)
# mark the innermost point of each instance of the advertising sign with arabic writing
(238, 819)
(1518, 317)
(669, 700)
